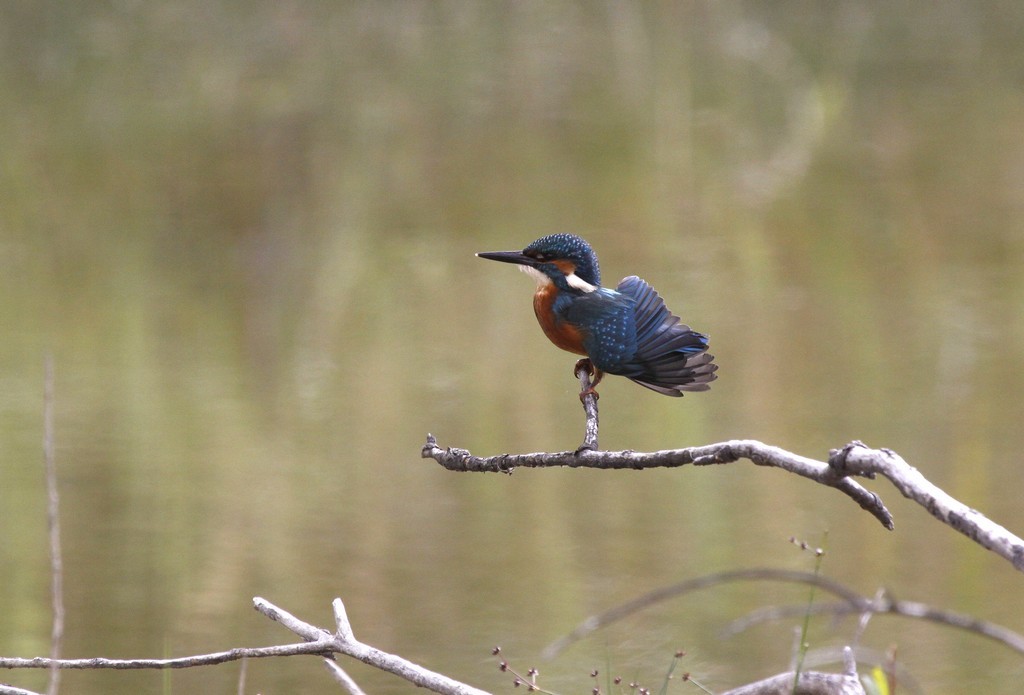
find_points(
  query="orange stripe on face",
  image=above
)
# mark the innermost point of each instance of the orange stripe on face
(567, 267)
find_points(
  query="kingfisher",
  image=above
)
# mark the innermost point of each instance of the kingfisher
(626, 331)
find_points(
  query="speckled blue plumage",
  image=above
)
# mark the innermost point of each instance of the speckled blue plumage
(626, 331)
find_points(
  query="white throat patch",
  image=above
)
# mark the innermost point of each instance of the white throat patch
(573, 279)
(540, 277)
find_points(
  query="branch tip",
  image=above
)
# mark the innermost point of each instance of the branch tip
(344, 627)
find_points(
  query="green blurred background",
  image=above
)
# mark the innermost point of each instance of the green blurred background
(245, 232)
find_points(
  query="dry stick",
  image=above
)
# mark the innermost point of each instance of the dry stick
(455, 459)
(317, 641)
(858, 459)
(181, 662)
(854, 459)
(344, 642)
(53, 525)
(349, 645)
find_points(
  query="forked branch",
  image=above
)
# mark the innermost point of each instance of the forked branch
(316, 641)
(858, 459)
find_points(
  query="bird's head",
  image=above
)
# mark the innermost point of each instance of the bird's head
(565, 260)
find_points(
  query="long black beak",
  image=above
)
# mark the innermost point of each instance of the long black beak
(516, 257)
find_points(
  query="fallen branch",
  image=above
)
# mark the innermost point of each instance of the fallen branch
(317, 641)
(344, 642)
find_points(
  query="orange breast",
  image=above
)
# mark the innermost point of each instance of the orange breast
(558, 332)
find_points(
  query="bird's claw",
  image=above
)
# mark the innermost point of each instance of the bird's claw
(583, 365)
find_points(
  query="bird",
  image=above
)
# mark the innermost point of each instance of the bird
(627, 331)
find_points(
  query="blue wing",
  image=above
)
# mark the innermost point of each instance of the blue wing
(630, 332)
(670, 357)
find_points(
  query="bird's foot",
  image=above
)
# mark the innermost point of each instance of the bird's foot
(583, 365)
(595, 374)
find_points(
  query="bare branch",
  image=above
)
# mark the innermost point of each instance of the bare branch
(883, 605)
(858, 459)
(343, 642)
(854, 459)
(852, 602)
(726, 452)
(318, 641)
(600, 620)
(181, 662)
(302, 629)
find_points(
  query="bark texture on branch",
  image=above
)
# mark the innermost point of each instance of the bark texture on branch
(857, 458)
(760, 454)
(854, 459)
(317, 641)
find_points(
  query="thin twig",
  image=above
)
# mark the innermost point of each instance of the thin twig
(181, 662)
(343, 678)
(760, 454)
(53, 526)
(242, 671)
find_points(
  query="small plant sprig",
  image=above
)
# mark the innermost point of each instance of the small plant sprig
(633, 687)
(804, 645)
(529, 680)
(684, 677)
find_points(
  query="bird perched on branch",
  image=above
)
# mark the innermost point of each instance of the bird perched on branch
(626, 331)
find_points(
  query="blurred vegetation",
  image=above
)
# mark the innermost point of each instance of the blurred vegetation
(246, 233)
